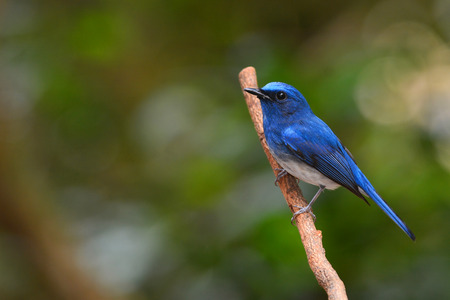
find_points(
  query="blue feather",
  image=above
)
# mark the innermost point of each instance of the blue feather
(367, 187)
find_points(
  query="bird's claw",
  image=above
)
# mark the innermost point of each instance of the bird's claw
(302, 210)
(281, 173)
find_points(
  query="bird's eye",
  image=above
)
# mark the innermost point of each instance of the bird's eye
(281, 95)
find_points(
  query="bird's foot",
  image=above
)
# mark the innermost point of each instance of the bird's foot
(281, 173)
(302, 210)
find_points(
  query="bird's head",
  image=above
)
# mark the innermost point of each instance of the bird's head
(280, 99)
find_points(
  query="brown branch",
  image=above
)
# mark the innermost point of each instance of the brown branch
(311, 237)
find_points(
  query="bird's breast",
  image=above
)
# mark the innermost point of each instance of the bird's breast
(305, 172)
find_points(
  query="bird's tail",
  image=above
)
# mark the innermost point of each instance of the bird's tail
(367, 187)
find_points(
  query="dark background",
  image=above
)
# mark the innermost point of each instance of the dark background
(130, 169)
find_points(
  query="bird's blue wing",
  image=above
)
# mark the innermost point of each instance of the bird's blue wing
(319, 147)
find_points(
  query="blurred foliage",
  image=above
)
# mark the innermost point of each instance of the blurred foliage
(127, 123)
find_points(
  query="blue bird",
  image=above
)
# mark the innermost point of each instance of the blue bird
(309, 150)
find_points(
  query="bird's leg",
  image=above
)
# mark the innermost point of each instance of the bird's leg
(281, 173)
(308, 207)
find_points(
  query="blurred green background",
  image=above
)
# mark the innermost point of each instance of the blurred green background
(130, 169)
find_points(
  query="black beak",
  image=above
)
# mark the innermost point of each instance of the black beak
(257, 92)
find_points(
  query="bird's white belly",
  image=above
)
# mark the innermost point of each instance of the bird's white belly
(307, 174)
